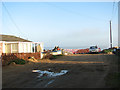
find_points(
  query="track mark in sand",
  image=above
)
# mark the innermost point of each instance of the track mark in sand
(49, 83)
(71, 62)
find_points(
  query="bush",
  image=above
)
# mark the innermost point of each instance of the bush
(47, 56)
(18, 61)
(107, 50)
(117, 52)
(60, 55)
(55, 56)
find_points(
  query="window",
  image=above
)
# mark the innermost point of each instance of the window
(25, 47)
(14, 48)
(7, 48)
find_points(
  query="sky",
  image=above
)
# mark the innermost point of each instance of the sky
(67, 24)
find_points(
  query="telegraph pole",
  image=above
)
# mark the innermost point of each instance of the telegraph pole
(110, 35)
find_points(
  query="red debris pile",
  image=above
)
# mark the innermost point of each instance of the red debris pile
(82, 51)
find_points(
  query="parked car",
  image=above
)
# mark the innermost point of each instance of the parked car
(94, 49)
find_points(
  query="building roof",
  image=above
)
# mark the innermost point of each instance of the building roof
(11, 38)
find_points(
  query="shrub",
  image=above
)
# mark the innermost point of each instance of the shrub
(107, 50)
(60, 55)
(47, 56)
(117, 52)
(55, 56)
(18, 61)
(50, 56)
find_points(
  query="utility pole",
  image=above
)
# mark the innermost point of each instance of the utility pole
(110, 35)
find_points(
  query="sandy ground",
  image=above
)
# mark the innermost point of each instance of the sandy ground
(0, 74)
(84, 71)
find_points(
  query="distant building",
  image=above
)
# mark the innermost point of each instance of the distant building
(13, 44)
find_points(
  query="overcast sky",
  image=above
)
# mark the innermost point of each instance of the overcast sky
(79, 24)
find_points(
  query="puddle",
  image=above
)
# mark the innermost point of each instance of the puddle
(46, 74)
(49, 74)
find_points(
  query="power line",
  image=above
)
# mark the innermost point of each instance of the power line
(113, 10)
(18, 29)
(77, 13)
